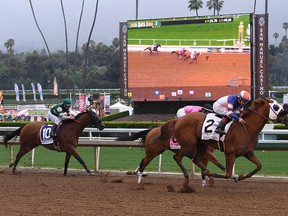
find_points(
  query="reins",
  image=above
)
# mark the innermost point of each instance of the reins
(79, 122)
(267, 119)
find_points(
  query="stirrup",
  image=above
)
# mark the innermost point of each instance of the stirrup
(219, 131)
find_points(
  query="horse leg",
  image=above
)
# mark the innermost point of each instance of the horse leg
(67, 159)
(20, 154)
(144, 163)
(178, 158)
(251, 157)
(230, 159)
(79, 159)
(211, 157)
(133, 172)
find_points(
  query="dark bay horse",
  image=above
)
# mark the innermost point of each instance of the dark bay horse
(180, 53)
(154, 147)
(240, 140)
(68, 138)
(153, 48)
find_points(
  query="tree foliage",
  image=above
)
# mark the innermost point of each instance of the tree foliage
(103, 67)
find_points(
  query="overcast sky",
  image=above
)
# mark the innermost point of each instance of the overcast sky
(16, 20)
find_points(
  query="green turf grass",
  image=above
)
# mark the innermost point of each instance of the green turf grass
(125, 158)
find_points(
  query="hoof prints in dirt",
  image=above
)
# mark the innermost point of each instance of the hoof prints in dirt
(187, 189)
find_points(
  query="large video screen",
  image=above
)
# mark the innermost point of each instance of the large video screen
(189, 59)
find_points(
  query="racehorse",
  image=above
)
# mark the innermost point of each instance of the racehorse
(240, 140)
(153, 48)
(180, 53)
(192, 55)
(154, 147)
(68, 137)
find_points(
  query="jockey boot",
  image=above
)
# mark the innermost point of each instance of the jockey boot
(221, 127)
(53, 131)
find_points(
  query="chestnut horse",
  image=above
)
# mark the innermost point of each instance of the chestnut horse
(154, 147)
(192, 55)
(153, 48)
(180, 53)
(240, 140)
(70, 131)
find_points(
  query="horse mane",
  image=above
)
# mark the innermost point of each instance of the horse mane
(66, 121)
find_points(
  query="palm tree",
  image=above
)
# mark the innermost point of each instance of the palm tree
(77, 39)
(195, 5)
(9, 46)
(216, 5)
(86, 55)
(48, 50)
(137, 9)
(285, 26)
(276, 35)
(66, 40)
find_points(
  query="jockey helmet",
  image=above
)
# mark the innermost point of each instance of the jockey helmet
(208, 107)
(244, 95)
(67, 102)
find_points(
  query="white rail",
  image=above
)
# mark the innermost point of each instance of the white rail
(101, 141)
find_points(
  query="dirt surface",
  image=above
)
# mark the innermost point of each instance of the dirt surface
(48, 192)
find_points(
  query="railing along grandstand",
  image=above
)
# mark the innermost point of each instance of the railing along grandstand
(267, 141)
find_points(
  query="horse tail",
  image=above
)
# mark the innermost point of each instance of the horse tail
(11, 135)
(173, 52)
(167, 129)
(140, 135)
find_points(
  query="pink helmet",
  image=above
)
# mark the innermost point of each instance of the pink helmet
(245, 95)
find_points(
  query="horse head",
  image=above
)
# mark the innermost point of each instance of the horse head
(89, 117)
(269, 108)
(95, 120)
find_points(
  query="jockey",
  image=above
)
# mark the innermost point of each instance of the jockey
(189, 109)
(181, 50)
(230, 106)
(56, 113)
(153, 46)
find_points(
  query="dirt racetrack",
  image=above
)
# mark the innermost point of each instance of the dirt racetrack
(46, 192)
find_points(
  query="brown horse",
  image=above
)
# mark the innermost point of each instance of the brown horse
(154, 147)
(68, 137)
(241, 139)
(180, 53)
(153, 48)
(193, 55)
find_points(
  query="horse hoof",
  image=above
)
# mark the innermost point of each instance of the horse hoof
(236, 179)
(130, 173)
(203, 183)
(11, 165)
(92, 174)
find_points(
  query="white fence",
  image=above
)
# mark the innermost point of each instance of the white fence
(267, 141)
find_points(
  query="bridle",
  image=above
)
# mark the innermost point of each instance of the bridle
(276, 112)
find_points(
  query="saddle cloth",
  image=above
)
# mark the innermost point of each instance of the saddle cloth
(45, 131)
(174, 144)
(209, 125)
